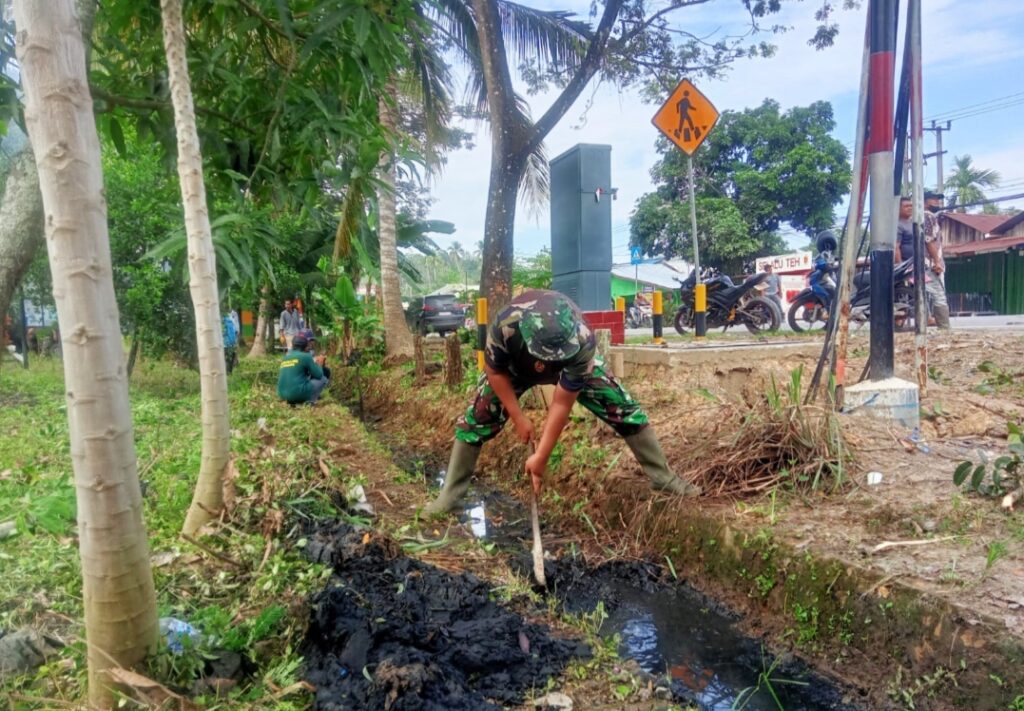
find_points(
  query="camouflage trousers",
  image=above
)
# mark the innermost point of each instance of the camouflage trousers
(603, 395)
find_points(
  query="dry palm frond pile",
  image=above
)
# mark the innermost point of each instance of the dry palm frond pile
(777, 441)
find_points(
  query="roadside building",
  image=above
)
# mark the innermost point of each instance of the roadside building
(628, 279)
(984, 257)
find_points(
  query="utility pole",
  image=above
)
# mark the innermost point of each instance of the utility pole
(938, 151)
(882, 17)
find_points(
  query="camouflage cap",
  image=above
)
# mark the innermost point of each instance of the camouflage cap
(550, 327)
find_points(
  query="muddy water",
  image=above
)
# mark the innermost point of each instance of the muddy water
(670, 630)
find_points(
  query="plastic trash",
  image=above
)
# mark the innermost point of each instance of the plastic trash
(175, 631)
(874, 478)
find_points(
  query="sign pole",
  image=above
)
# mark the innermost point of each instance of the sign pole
(700, 301)
(686, 118)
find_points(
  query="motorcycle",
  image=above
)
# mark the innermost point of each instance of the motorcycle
(639, 316)
(727, 304)
(810, 309)
(903, 296)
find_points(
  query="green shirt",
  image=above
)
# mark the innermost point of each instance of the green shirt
(296, 370)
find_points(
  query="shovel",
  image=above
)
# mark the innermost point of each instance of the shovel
(538, 546)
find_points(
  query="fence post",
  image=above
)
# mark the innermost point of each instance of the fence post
(657, 309)
(418, 359)
(481, 332)
(453, 361)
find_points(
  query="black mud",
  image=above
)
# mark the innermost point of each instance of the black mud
(392, 632)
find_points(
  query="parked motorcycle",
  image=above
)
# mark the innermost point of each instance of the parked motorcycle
(810, 309)
(903, 296)
(639, 315)
(728, 304)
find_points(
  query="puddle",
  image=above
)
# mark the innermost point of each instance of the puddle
(711, 664)
(496, 518)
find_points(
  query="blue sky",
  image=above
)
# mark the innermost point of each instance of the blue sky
(972, 55)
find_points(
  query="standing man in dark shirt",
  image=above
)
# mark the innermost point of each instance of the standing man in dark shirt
(905, 232)
(934, 288)
(541, 339)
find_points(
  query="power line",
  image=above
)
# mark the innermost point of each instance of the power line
(941, 116)
(979, 111)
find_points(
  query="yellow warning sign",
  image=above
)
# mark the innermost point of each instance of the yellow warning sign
(687, 117)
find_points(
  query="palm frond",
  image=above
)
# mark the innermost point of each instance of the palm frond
(550, 37)
(351, 215)
(409, 270)
(455, 21)
(535, 185)
(430, 84)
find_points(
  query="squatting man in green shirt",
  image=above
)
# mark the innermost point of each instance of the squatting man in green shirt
(540, 338)
(301, 377)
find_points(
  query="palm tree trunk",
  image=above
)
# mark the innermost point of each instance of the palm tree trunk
(117, 582)
(397, 338)
(259, 340)
(499, 227)
(209, 496)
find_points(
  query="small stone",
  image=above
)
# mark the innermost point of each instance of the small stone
(554, 700)
(7, 529)
(929, 524)
(23, 651)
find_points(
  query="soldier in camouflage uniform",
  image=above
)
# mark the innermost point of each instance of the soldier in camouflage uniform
(541, 339)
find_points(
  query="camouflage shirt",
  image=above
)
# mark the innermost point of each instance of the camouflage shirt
(509, 350)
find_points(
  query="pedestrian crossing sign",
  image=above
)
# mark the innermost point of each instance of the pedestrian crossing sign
(687, 117)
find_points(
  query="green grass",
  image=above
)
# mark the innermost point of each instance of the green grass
(256, 609)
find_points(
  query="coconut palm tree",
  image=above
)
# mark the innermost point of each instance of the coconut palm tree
(202, 264)
(117, 583)
(968, 183)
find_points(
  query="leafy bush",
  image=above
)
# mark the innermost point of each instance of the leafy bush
(1002, 475)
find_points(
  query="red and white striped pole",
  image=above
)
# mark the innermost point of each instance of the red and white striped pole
(882, 17)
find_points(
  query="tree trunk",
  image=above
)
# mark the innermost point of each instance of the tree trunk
(397, 337)
(133, 353)
(259, 339)
(117, 582)
(499, 227)
(209, 495)
(21, 216)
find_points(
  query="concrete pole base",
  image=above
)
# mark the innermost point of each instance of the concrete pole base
(893, 399)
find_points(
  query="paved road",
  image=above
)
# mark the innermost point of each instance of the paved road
(959, 323)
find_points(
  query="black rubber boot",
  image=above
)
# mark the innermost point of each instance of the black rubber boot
(648, 453)
(456, 480)
(941, 314)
